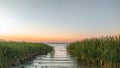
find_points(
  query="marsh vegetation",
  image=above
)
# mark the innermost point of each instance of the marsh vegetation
(102, 52)
(15, 53)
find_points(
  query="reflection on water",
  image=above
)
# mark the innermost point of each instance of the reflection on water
(59, 60)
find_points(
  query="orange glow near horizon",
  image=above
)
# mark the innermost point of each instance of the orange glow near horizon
(47, 38)
(29, 38)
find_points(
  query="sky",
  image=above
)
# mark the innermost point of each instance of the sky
(58, 20)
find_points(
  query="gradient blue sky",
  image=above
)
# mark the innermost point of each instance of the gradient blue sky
(58, 20)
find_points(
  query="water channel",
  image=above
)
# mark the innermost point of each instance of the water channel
(60, 59)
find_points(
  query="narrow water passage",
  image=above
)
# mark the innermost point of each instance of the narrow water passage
(60, 59)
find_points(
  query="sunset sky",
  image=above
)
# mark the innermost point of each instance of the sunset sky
(58, 20)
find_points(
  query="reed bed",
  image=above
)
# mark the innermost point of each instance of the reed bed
(15, 53)
(103, 52)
